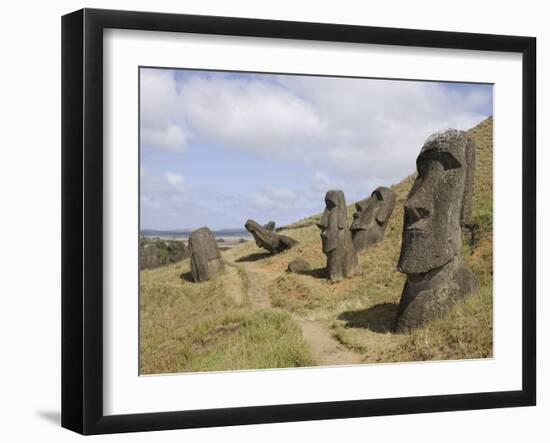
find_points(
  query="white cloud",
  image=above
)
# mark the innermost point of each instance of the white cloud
(320, 183)
(248, 114)
(349, 134)
(376, 127)
(157, 97)
(177, 181)
(160, 194)
(155, 187)
(349, 127)
(149, 203)
(274, 199)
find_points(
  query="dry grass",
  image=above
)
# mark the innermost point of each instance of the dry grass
(188, 326)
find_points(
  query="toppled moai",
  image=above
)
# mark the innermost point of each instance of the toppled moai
(267, 239)
(206, 260)
(439, 203)
(336, 238)
(370, 220)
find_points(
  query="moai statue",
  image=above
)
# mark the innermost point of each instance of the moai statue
(371, 218)
(268, 239)
(270, 225)
(439, 202)
(206, 260)
(336, 238)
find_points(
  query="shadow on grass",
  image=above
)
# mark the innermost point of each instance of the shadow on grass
(187, 276)
(254, 257)
(377, 318)
(316, 273)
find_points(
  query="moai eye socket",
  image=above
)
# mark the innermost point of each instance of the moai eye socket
(330, 204)
(446, 159)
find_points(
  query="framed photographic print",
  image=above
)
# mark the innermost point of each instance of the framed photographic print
(269, 221)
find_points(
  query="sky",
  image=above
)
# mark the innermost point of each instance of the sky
(217, 148)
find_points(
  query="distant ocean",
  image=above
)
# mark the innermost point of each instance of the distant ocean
(187, 233)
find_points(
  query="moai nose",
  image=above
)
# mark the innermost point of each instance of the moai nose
(415, 212)
(420, 204)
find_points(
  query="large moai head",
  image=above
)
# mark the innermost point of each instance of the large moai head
(336, 237)
(371, 218)
(206, 260)
(267, 239)
(439, 202)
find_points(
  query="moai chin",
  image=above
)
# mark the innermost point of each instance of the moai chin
(439, 202)
(372, 216)
(336, 238)
(267, 239)
(206, 260)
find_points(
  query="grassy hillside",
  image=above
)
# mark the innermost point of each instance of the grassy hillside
(256, 315)
(188, 326)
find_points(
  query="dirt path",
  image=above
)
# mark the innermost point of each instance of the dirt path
(326, 350)
(257, 286)
(234, 286)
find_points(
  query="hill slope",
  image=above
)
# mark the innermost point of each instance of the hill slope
(258, 316)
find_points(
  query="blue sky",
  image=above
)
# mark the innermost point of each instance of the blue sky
(218, 148)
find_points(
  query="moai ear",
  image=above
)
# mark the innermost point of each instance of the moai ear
(466, 209)
(385, 212)
(342, 216)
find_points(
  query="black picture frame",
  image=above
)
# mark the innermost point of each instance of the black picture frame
(82, 219)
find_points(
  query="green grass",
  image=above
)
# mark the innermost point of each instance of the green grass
(245, 339)
(188, 326)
